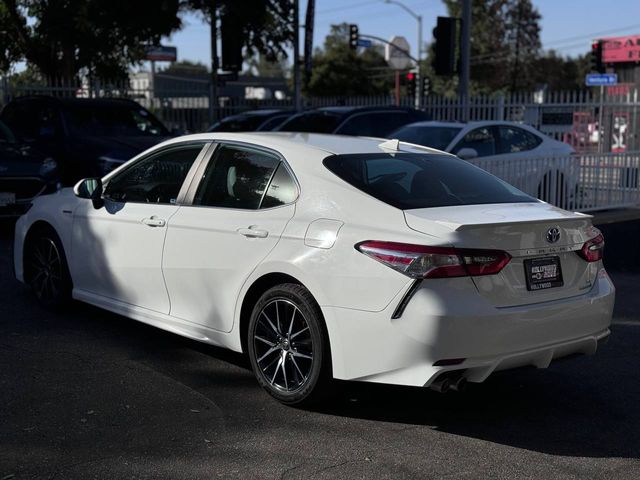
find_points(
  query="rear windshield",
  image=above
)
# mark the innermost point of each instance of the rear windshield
(434, 137)
(412, 180)
(312, 122)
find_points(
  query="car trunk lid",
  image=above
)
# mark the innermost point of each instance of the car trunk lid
(520, 229)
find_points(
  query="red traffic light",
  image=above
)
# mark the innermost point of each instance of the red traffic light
(411, 76)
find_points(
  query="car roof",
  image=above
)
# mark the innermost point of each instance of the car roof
(434, 123)
(348, 110)
(316, 142)
(259, 113)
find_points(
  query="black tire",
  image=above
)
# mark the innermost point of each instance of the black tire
(288, 345)
(46, 269)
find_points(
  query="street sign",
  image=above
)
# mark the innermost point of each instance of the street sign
(395, 53)
(161, 53)
(601, 79)
(364, 42)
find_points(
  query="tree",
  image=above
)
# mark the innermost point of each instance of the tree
(560, 73)
(505, 40)
(267, 25)
(186, 67)
(259, 66)
(340, 71)
(101, 38)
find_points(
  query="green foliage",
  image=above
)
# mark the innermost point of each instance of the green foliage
(505, 39)
(340, 71)
(186, 67)
(62, 38)
(260, 66)
(267, 24)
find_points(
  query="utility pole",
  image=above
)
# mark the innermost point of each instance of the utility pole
(296, 57)
(465, 52)
(213, 83)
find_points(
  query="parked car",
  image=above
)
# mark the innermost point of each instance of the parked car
(507, 143)
(252, 121)
(24, 174)
(360, 121)
(324, 256)
(87, 137)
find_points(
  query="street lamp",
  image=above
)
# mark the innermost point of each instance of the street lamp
(419, 46)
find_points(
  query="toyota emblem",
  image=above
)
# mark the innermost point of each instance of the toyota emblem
(553, 235)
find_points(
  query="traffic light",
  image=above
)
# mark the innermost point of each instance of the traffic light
(597, 65)
(426, 86)
(444, 46)
(411, 84)
(353, 36)
(231, 35)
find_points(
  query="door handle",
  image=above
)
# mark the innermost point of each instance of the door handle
(252, 232)
(154, 221)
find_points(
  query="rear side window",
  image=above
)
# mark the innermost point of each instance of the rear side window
(514, 139)
(481, 140)
(237, 177)
(412, 180)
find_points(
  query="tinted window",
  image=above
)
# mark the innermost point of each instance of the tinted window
(409, 180)
(313, 122)
(93, 119)
(374, 124)
(273, 122)
(282, 189)
(481, 140)
(243, 123)
(5, 134)
(154, 179)
(514, 139)
(237, 177)
(434, 137)
(32, 120)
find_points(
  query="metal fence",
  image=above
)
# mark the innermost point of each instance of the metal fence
(581, 183)
(595, 121)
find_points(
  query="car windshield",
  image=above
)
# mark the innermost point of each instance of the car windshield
(113, 120)
(412, 180)
(244, 123)
(312, 122)
(434, 137)
(6, 135)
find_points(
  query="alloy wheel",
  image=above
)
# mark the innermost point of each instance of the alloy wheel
(283, 345)
(47, 270)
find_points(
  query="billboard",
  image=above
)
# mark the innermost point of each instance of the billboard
(621, 49)
(162, 53)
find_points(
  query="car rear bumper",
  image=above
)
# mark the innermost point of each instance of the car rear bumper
(448, 321)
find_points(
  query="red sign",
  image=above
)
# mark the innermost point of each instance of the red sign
(621, 49)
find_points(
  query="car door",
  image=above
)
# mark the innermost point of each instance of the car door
(239, 208)
(117, 248)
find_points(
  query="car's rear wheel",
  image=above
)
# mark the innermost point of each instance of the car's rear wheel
(288, 345)
(46, 270)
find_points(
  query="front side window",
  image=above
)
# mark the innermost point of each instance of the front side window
(412, 180)
(514, 140)
(481, 140)
(236, 177)
(157, 178)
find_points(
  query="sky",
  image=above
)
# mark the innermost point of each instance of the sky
(567, 25)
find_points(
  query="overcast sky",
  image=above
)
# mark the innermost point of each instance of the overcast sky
(567, 25)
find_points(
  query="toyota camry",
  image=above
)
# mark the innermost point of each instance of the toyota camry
(325, 257)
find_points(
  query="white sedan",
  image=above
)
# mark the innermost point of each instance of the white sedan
(323, 257)
(515, 152)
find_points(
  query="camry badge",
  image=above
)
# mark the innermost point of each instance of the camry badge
(553, 235)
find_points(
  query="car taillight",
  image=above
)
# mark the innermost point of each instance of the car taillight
(593, 249)
(421, 261)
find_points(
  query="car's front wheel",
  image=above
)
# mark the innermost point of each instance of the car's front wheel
(46, 269)
(288, 345)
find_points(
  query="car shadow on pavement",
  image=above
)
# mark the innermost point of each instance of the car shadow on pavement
(582, 406)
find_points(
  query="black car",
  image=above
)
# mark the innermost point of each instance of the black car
(87, 137)
(24, 174)
(361, 121)
(252, 121)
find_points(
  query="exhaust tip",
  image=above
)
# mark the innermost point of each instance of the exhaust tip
(441, 385)
(459, 384)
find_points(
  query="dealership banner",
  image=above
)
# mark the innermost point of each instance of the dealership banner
(621, 49)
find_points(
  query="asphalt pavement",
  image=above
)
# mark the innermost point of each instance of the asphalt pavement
(89, 394)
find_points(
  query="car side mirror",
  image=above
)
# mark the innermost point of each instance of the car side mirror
(467, 153)
(91, 189)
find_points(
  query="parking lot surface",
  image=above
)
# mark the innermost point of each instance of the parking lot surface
(89, 394)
